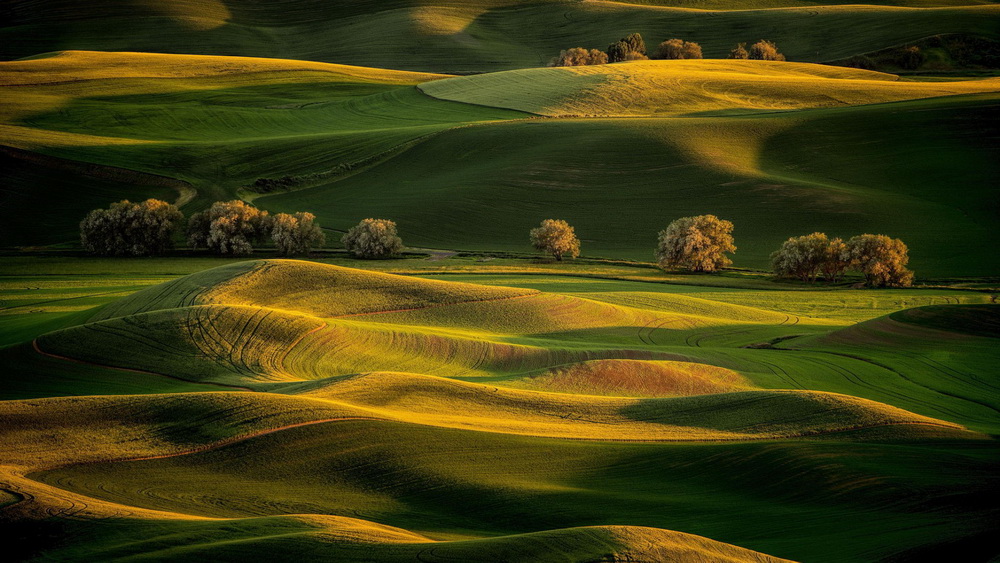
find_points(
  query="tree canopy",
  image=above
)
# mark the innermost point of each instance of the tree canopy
(229, 227)
(678, 49)
(578, 56)
(628, 48)
(881, 259)
(373, 238)
(130, 229)
(555, 237)
(739, 52)
(802, 257)
(698, 243)
(764, 50)
(296, 234)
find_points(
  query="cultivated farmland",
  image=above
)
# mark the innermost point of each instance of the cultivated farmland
(466, 398)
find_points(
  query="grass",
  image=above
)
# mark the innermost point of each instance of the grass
(451, 36)
(430, 480)
(488, 404)
(364, 142)
(253, 118)
(753, 171)
(686, 88)
(318, 408)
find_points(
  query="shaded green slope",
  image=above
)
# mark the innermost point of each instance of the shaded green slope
(353, 539)
(217, 123)
(823, 497)
(619, 182)
(461, 36)
(64, 189)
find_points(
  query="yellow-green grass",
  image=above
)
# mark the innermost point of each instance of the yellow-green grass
(919, 170)
(352, 539)
(497, 431)
(318, 290)
(216, 123)
(478, 339)
(446, 483)
(306, 332)
(756, 303)
(770, 174)
(636, 378)
(686, 87)
(448, 35)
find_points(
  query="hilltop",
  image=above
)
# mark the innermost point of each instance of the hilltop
(479, 36)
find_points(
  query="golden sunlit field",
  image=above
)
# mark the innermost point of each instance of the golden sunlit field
(237, 384)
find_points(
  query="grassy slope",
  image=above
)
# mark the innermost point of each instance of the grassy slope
(452, 36)
(408, 463)
(217, 122)
(685, 88)
(771, 175)
(309, 119)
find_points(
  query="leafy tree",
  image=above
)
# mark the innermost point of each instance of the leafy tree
(131, 229)
(557, 238)
(373, 238)
(229, 227)
(739, 52)
(764, 50)
(678, 49)
(835, 260)
(801, 257)
(881, 259)
(296, 234)
(578, 56)
(699, 244)
(629, 48)
(863, 62)
(910, 58)
(635, 43)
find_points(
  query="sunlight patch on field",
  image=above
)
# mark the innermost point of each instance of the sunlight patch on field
(686, 88)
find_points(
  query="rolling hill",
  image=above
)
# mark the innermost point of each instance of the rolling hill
(479, 36)
(361, 142)
(270, 423)
(466, 401)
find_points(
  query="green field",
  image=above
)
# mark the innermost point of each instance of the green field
(396, 411)
(485, 35)
(469, 399)
(778, 162)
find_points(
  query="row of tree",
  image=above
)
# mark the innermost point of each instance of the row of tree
(880, 259)
(701, 244)
(230, 228)
(632, 48)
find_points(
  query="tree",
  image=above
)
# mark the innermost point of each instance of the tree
(557, 238)
(764, 50)
(699, 244)
(835, 261)
(739, 52)
(678, 49)
(373, 238)
(131, 229)
(229, 227)
(801, 257)
(296, 234)
(881, 259)
(910, 58)
(578, 56)
(628, 48)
